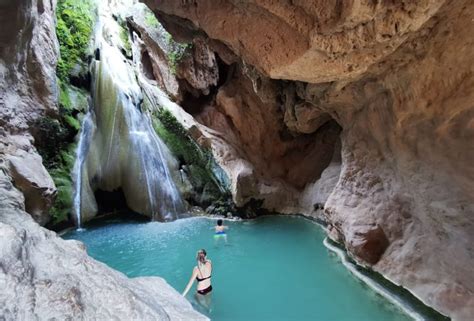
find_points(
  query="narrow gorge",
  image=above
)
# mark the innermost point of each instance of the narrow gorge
(358, 115)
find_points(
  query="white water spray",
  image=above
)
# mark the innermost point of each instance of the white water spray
(125, 150)
(81, 153)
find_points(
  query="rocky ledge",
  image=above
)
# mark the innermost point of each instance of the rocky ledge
(44, 277)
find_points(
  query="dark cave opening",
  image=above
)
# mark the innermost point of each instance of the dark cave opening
(147, 67)
(111, 202)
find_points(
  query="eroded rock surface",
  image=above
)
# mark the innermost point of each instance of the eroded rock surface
(45, 277)
(42, 276)
(397, 77)
(28, 92)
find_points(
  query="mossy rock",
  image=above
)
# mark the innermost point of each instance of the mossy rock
(75, 22)
(198, 163)
(176, 52)
(61, 175)
(54, 139)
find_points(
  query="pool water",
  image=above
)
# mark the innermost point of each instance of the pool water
(272, 268)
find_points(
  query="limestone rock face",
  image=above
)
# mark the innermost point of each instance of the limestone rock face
(34, 182)
(28, 90)
(198, 70)
(311, 41)
(397, 77)
(193, 73)
(46, 277)
(154, 50)
(368, 243)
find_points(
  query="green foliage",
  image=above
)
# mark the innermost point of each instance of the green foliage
(199, 162)
(125, 40)
(74, 29)
(54, 139)
(51, 136)
(150, 19)
(181, 144)
(73, 122)
(176, 52)
(62, 179)
(64, 98)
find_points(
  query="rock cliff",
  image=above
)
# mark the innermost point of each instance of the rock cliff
(41, 275)
(28, 91)
(361, 108)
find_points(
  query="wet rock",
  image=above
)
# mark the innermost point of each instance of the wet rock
(368, 243)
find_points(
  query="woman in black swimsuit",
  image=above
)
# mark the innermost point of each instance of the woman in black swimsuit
(202, 274)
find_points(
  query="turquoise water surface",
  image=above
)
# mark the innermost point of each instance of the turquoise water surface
(272, 268)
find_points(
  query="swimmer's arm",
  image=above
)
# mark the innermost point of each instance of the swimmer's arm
(191, 281)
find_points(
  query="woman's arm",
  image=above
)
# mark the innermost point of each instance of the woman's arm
(191, 281)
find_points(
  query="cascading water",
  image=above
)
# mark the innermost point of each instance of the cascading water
(81, 153)
(124, 152)
(158, 180)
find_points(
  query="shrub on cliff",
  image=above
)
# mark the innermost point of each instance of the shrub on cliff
(75, 20)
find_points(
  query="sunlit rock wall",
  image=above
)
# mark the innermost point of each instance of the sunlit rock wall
(397, 77)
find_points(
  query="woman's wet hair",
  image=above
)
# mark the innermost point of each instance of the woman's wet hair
(219, 222)
(201, 256)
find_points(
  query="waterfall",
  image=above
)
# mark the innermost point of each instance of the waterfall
(81, 152)
(158, 179)
(125, 151)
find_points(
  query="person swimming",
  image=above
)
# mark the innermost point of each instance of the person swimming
(202, 274)
(220, 230)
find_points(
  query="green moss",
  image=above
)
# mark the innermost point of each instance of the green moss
(200, 162)
(61, 175)
(150, 19)
(125, 40)
(72, 101)
(176, 52)
(72, 122)
(64, 99)
(74, 27)
(54, 139)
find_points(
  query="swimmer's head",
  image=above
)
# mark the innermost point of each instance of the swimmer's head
(219, 222)
(201, 256)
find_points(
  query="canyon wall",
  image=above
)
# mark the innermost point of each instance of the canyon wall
(41, 275)
(357, 112)
(28, 92)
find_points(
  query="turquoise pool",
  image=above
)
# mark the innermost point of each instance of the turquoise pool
(272, 268)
